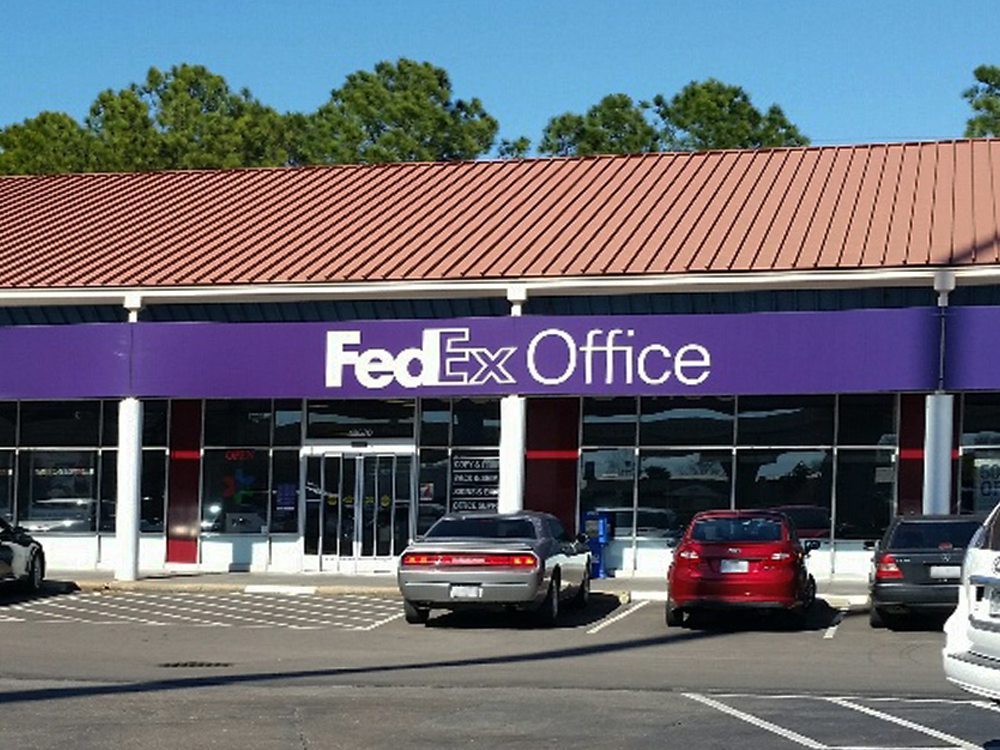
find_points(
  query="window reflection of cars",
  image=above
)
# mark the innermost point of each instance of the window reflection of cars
(811, 521)
(57, 514)
(233, 519)
(22, 559)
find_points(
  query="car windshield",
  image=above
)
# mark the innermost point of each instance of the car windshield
(932, 535)
(736, 530)
(483, 528)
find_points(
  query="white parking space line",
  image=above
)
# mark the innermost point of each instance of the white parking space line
(838, 618)
(611, 620)
(788, 734)
(383, 622)
(943, 736)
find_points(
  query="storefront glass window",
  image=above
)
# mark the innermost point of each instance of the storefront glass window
(360, 419)
(154, 423)
(435, 421)
(980, 490)
(981, 419)
(7, 484)
(288, 422)
(686, 421)
(796, 481)
(433, 487)
(476, 422)
(609, 421)
(607, 484)
(285, 492)
(58, 490)
(674, 485)
(244, 422)
(866, 489)
(52, 424)
(235, 491)
(8, 422)
(785, 420)
(153, 484)
(868, 419)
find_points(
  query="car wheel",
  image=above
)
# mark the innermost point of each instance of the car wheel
(809, 596)
(875, 617)
(582, 597)
(675, 616)
(415, 615)
(36, 573)
(548, 613)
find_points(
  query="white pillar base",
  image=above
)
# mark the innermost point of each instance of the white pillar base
(938, 452)
(127, 501)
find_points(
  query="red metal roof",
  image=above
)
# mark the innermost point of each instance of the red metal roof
(845, 207)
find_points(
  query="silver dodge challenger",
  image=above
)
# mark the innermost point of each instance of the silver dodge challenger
(523, 561)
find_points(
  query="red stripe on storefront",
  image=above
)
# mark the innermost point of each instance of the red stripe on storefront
(187, 455)
(563, 455)
(917, 454)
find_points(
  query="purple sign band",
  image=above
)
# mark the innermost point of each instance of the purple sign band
(762, 353)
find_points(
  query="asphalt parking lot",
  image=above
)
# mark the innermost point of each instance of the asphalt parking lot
(614, 673)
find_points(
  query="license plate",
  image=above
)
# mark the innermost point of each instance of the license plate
(946, 571)
(734, 566)
(466, 592)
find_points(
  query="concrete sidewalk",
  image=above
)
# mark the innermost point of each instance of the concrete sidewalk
(843, 594)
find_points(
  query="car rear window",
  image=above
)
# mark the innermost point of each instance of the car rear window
(483, 528)
(931, 535)
(736, 530)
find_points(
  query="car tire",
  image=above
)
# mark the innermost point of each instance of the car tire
(809, 597)
(36, 574)
(582, 597)
(548, 613)
(415, 615)
(876, 618)
(674, 616)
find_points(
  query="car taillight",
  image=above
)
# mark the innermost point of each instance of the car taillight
(468, 560)
(688, 553)
(886, 568)
(782, 556)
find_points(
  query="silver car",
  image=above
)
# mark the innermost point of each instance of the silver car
(21, 557)
(521, 561)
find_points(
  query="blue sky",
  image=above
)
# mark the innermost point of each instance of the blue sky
(843, 71)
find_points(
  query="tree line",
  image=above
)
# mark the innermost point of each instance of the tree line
(190, 118)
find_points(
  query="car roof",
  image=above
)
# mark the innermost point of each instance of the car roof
(756, 513)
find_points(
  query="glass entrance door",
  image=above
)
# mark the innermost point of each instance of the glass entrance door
(358, 510)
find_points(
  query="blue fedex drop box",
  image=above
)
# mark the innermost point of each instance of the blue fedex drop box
(599, 528)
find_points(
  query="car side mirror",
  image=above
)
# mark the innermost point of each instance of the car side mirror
(811, 544)
(869, 544)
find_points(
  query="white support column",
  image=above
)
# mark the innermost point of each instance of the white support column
(937, 453)
(129, 477)
(512, 430)
(512, 423)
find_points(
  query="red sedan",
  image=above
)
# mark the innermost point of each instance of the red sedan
(739, 558)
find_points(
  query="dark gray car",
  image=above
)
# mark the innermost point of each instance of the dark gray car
(21, 557)
(521, 561)
(917, 567)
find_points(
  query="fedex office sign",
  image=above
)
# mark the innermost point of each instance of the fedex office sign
(450, 357)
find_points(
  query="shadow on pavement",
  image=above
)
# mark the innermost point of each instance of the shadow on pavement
(819, 617)
(13, 594)
(601, 605)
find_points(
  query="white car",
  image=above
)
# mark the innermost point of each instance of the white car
(972, 648)
(21, 557)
